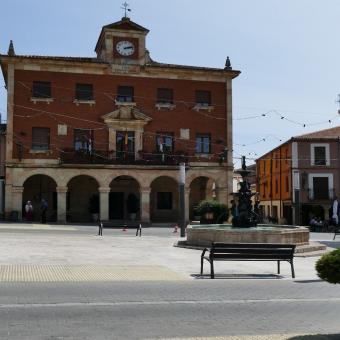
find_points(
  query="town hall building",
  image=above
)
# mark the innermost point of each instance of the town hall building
(105, 135)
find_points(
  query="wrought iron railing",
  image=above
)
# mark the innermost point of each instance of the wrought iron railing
(314, 195)
(71, 156)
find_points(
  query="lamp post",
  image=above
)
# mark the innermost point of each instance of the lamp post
(182, 198)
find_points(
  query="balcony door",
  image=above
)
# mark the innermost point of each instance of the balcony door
(321, 188)
(125, 145)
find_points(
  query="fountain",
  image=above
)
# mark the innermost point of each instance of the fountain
(245, 227)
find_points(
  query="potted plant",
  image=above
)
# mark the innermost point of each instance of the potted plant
(132, 206)
(94, 207)
(212, 212)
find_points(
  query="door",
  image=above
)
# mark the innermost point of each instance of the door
(116, 206)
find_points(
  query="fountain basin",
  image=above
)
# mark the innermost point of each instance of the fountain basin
(204, 235)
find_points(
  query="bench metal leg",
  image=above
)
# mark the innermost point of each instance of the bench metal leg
(212, 274)
(278, 267)
(292, 266)
(202, 265)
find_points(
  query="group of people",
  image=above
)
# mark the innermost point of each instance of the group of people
(29, 211)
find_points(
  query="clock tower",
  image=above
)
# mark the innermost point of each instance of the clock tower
(123, 42)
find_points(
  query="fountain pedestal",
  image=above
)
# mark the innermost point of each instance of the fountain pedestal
(204, 235)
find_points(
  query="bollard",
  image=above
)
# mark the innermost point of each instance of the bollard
(139, 229)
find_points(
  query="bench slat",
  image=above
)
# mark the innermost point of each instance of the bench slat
(251, 256)
(251, 251)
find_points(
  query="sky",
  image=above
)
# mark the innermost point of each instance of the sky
(288, 53)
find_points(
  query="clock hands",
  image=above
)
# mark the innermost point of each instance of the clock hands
(128, 47)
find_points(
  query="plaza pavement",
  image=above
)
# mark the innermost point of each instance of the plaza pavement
(69, 253)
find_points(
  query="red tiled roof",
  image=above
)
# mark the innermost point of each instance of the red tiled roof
(327, 133)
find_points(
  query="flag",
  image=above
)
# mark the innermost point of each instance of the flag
(161, 144)
(126, 142)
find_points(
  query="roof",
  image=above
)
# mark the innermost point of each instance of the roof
(57, 58)
(327, 134)
(98, 61)
(332, 133)
(125, 24)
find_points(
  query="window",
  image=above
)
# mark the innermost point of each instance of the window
(287, 184)
(125, 144)
(276, 186)
(286, 156)
(264, 166)
(41, 89)
(83, 140)
(319, 155)
(125, 94)
(164, 200)
(84, 91)
(203, 98)
(165, 142)
(40, 138)
(320, 186)
(202, 143)
(165, 96)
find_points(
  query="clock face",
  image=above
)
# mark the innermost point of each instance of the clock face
(125, 48)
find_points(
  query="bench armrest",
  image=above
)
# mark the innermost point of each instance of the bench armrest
(204, 251)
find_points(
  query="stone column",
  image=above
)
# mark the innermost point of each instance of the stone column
(187, 204)
(223, 196)
(17, 200)
(61, 204)
(145, 204)
(104, 203)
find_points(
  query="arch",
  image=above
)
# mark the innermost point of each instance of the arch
(82, 199)
(36, 188)
(164, 205)
(124, 198)
(201, 188)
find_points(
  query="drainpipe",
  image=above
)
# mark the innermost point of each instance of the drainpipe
(280, 184)
(271, 184)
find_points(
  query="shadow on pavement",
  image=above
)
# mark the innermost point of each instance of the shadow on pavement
(309, 281)
(237, 276)
(316, 337)
(333, 244)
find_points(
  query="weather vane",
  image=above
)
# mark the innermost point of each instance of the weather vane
(125, 8)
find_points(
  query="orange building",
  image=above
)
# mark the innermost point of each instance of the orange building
(274, 183)
(298, 179)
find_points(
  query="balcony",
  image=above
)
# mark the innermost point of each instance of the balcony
(320, 195)
(71, 156)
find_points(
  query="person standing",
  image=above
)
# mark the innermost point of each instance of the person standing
(335, 211)
(29, 211)
(43, 208)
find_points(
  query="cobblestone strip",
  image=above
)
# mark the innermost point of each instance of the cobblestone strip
(260, 337)
(83, 273)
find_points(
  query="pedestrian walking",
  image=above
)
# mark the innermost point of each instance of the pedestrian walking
(29, 211)
(43, 208)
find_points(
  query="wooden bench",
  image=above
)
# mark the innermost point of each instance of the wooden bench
(248, 252)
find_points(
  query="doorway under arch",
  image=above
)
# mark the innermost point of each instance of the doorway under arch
(82, 199)
(124, 199)
(36, 188)
(164, 200)
(201, 188)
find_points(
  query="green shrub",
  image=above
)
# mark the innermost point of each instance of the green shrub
(328, 267)
(220, 211)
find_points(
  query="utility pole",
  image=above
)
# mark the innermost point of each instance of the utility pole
(182, 198)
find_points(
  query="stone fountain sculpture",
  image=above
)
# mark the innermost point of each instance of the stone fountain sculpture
(247, 216)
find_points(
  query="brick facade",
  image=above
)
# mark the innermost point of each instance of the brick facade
(59, 118)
